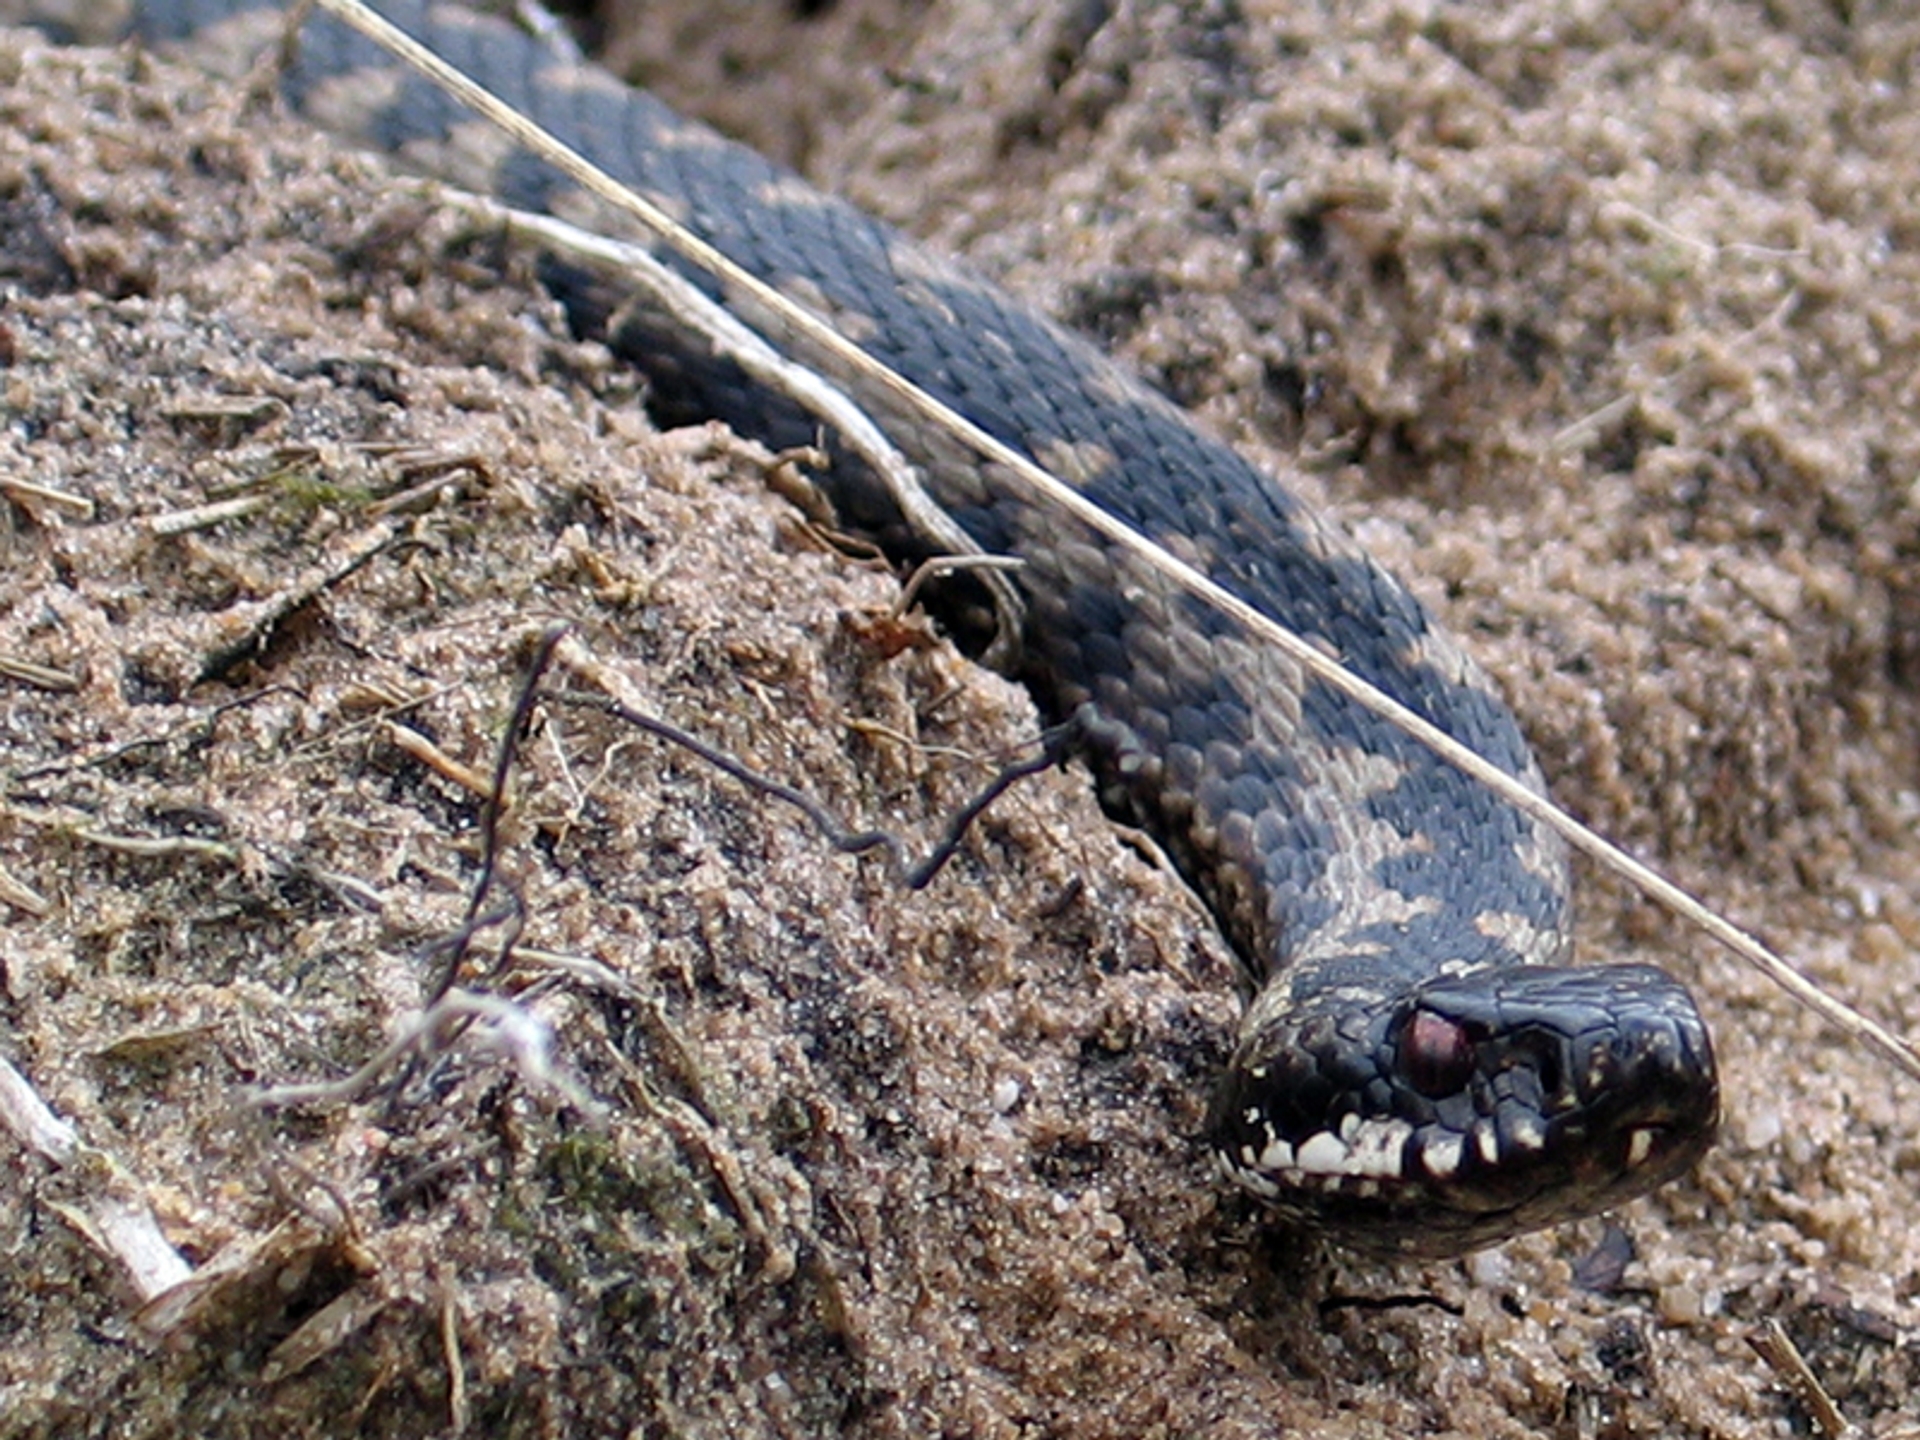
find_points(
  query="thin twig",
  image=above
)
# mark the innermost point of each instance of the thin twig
(78, 506)
(22, 896)
(110, 1211)
(412, 743)
(1772, 1344)
(44, 677)
(491, 811)
(915, 875)
(523, 1036)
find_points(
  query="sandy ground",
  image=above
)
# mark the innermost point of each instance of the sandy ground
(1597, 322)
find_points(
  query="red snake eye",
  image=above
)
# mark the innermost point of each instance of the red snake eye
(1436, 1055)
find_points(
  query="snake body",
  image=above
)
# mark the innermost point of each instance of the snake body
(1417, 1071)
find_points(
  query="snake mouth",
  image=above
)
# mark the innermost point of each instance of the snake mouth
(1392, 1187)
(1476, 1109)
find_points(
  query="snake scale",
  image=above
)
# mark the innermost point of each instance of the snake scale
(1418, 1070)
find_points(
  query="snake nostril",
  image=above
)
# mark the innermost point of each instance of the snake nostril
(1549, 1072)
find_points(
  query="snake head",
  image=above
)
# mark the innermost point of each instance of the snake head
(1470, 1108)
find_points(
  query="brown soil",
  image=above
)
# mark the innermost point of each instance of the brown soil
(1597, 322)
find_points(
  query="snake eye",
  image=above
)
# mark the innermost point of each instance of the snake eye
(1436, 1055)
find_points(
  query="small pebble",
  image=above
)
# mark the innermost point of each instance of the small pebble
(1680, 1304)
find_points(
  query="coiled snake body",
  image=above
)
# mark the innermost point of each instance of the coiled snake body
(1417, 1071)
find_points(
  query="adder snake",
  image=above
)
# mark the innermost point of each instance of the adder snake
(1418, 1070)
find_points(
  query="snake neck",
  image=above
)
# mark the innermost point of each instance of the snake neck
(1331, 847)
